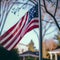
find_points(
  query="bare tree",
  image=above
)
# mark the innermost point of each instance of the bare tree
(53, 16)
(6, 6)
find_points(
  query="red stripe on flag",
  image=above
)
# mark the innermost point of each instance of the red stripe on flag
(16, 43)
(19, 34)
(33, 24)
(29, 29)
(10, 30)
(22, 22)
(6, 33)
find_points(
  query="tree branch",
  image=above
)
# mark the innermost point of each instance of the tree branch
(56, 7)
(51, 15)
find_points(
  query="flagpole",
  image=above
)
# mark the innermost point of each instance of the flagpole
(40, 30)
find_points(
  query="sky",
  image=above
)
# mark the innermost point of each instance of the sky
(13, 18)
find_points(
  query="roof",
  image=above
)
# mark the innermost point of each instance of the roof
(30, 53)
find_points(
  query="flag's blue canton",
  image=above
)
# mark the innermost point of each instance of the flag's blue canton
(33, 13)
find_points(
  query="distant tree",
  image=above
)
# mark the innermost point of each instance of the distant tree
(15, 54)
(58, 37)
(8, 55)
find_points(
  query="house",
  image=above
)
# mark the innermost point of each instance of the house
(31, 53)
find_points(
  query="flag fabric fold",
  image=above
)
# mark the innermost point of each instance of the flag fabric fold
(27, 23)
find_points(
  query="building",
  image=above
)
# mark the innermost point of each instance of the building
(31, 54)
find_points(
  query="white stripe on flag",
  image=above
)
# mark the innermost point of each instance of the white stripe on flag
(19, 36)
(33, 24)
(16, 33)
(10, 39)
(6, 37)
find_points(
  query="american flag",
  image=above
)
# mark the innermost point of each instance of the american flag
(27, 23)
